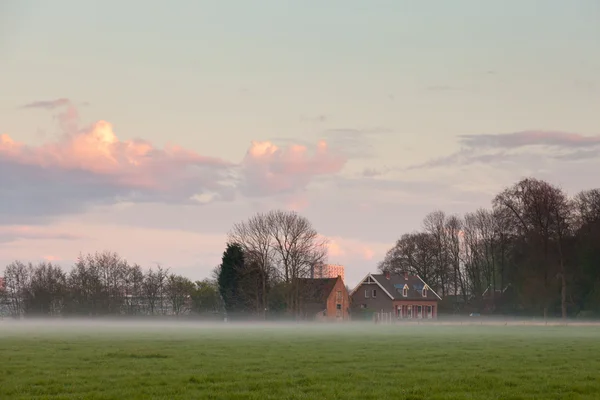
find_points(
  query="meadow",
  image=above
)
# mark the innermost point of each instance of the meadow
(350, 361)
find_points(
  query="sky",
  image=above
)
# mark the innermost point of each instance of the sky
(149, 129)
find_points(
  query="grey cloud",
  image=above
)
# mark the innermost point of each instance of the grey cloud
(317, 118)
(442, 88)
(48, 104)
(529, 138)
(355, 143)
(501, 148)
(33, 193)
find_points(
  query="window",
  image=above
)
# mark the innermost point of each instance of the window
(339, 296)
(339, 306)
(363, 306)
(405, 291)
(425, 292)
(367, 294)
(419, 311)
(374, 293)
(338, 312)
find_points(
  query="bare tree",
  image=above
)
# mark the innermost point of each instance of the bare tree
(413, 253)
(16, 283)
(179, 289)
(297, 247)
(435, 225)
(283, 246)
(586, 207)
(454, 232)
(153, 289)
(47, 290)
(541, 213)
(255, 238)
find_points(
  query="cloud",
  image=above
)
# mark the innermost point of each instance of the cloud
(518, 148)
(269, 169)
(48, 104)
(354, 143)
(344, 249)
(10, 233)
(92, 166)
(442, 88)
(530, 138)
(316, 118)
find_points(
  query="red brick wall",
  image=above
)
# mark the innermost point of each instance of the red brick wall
(332, 302)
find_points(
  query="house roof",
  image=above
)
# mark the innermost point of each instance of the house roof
(314, 293)
(316, 290)
(394, 286)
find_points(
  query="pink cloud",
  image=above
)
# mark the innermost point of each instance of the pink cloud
(9, 233)
(93, 166)
(133, 163)
(270, 169)
(348, 249)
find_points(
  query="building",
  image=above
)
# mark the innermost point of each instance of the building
(327, 271)
(402, 296)
(1, 284)
(324, 299)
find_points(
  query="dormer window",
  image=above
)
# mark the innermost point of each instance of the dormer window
(425, 291)
(405, 291)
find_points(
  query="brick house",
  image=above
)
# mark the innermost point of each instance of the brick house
(324, 299)
(405, 296)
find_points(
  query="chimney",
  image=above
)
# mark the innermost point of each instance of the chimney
(387, 275)
(405, 275)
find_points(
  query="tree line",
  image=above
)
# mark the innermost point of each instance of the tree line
(103, 284)
(535, 251)
(260, 275)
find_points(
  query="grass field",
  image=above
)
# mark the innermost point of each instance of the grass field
(299, 362)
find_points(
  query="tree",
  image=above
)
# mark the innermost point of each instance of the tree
(179, 289)
(206, 298)
(282, 247)
(435, 225)
(297, 248)
(16, 283)
(229, 278)
(541, 214)
(47, 290)
(586, 206)
(153, 289)
(413, 253)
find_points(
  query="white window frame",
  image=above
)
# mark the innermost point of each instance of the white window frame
(374, 293)
(367, 294)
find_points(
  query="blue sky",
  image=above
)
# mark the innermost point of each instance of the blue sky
(389, 85)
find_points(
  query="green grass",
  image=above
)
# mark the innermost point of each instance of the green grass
(359, 362)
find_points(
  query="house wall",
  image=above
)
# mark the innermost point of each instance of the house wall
(377, 304)
(415, 303)
(332, 302)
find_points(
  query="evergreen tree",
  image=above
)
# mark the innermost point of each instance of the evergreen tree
(229, 277)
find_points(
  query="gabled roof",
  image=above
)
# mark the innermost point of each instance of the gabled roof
(394, 286)
(370, 276)
(316, 290)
